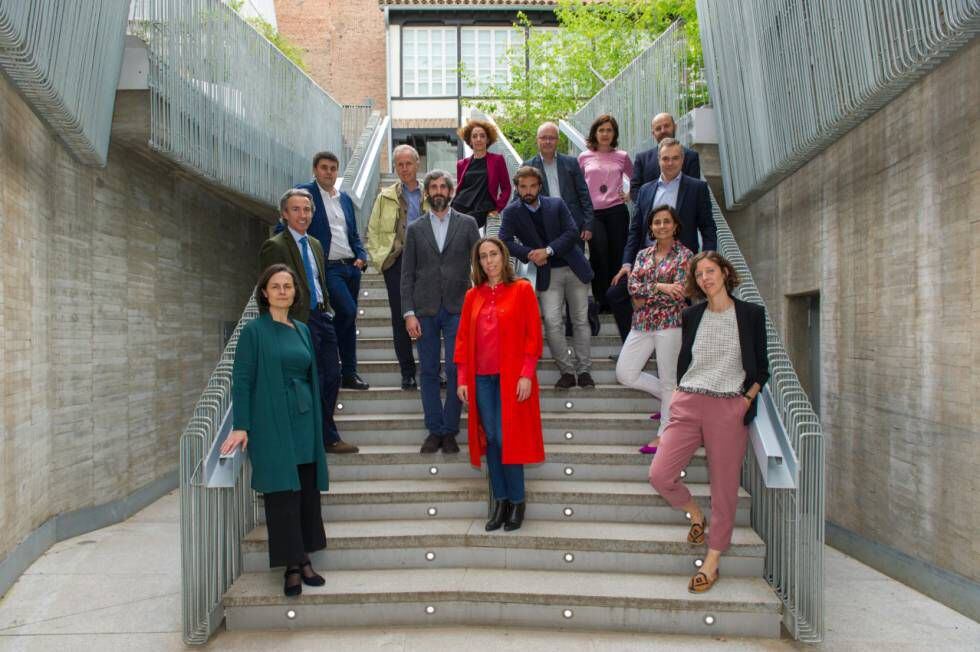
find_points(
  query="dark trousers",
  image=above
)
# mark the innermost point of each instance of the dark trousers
(403, 343)
(609, 232)
(328, 370)
(439, 337)
(294, 521)
(618, 299)
(343, 286)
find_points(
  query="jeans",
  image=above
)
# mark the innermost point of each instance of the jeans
(403, 344)
(565, 287)
(327, 369)
(633, 357)
(507, 480)
(343, 286)
(440, 419)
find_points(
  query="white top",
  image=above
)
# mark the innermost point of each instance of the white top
(316, 272)
(339, 246)
(716, 357)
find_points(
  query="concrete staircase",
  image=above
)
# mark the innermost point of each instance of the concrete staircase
(599, 549)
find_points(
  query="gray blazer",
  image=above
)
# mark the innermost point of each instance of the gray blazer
(431, 279)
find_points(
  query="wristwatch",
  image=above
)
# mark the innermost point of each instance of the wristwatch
(549, 251)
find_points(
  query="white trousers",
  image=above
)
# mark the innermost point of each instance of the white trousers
(636, 351)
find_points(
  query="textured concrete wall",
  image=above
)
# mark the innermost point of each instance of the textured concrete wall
(114, 284)
(885, 225)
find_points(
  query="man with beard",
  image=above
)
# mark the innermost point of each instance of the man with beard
(646, 165)
(435, 278)
(541, 230)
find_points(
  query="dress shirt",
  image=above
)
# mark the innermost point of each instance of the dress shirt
(339, 244)
(440, 228)
(551, 173)
(316, 271)
(414, 200)
(666, 194)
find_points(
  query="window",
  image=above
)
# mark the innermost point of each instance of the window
(486, 55)
(429, 62)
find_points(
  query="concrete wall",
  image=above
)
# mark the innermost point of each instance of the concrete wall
(114, 284)
(885, 225)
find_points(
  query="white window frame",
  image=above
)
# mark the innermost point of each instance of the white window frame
(447, 56)
(498, 61)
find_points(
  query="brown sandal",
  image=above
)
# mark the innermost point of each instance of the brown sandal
(700, 582)
(696, 534)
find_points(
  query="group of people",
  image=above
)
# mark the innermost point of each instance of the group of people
(477, 327)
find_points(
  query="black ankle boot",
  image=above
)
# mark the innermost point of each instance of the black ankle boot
(498, 514)
(515, 516)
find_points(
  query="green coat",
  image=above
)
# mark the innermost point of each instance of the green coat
(260, 407)
(282, 248)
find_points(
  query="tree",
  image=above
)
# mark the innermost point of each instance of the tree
(563, 67)
(289, 49)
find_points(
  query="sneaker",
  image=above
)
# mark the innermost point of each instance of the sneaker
(431, 444)
(567, 381)
(449, 445)
(585, 380)
(341, 447)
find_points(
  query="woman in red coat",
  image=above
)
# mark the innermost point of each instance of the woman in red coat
(498, 345)
(482, 181)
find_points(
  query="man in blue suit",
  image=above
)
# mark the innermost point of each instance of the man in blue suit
(334, 226)
(541, 230)
(646, 165)
(689, 197)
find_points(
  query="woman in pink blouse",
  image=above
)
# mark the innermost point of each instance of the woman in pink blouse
(605, 169)
(656, 287)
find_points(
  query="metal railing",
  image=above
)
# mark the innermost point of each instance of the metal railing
(48, 50)
(788, 78)
(226, 104)
(355, 118)
(363, 175)
(213, 522)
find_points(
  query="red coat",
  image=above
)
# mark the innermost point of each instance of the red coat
(519, 327)
(498, 181)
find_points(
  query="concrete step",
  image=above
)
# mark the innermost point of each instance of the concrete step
(386, 373)
(616, 398)
(631, 602)
(538, 545)
(383, 348)
(583, 462)
(376, 322)
(550, 500)
(634, 428)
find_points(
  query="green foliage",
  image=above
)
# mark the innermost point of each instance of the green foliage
(594, 40)
(289, 50)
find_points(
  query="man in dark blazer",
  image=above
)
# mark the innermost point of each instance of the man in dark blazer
(294, 246)
(646, 165)
(335, 226)
(434, 281)
(691, 200)
(541, 230)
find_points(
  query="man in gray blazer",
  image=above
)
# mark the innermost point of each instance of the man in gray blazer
(435, 278)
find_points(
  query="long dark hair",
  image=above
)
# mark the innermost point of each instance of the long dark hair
(592, 141)
(477, 274)
(264, 279)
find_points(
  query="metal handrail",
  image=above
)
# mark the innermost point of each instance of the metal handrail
(363, 175)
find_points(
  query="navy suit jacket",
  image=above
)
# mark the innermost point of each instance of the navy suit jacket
(573, 189)
(520, 235)
(646, 168)
(320, 227)
(693, 208)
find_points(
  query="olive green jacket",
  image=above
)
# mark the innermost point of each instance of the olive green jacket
(260, 407)
(386, 227)
(282, 248)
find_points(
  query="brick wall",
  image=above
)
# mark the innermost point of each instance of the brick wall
(885, 225)
(114, 283)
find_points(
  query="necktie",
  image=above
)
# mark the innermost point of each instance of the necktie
(310, 274)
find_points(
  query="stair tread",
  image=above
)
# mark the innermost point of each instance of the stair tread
(564, 588)
(640, 417)
(575, 392)
(590, 449)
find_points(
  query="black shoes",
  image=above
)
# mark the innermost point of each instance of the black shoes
(431, 444)
(310, 576)
(408, 382)
(515, 516)
(442, 380)
(498, 515)
(353, 381)
(449, 444)
(585, 380)
(292, 589)
(341, 447)
(567, 381)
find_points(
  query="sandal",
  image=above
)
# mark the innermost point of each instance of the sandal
(313, 579)
(292, 590)
(696, 534)
(700, 582)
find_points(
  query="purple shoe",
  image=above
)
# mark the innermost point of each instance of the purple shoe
(648, 450)
(655, 416)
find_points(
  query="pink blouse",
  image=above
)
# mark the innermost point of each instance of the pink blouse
(604, 173)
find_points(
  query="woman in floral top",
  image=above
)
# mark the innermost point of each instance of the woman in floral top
(656, 287)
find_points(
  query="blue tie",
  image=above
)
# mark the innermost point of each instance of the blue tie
(310, 274)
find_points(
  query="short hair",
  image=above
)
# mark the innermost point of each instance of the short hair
(660, 209)
(591, 141)
(668, 142)
(404, 147)
(732, 280)
(466, 130)
(477, 275)
(528, 171)
(434, 175)
(294, 192)
(264, 279)
(325, 155)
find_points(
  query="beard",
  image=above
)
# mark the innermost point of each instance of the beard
(438, 202)
(529, 198)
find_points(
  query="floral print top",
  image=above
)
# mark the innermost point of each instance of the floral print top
(661, 311)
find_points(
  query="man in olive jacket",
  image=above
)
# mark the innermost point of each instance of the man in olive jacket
(396, 207)
(303, 253)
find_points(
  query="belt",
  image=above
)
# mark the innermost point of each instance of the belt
(341, 261)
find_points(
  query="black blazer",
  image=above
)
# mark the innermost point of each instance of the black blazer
(573, 188)
(751, 318)
(693, 209)
(646, 168)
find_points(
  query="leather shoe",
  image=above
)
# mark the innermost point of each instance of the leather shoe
(408, 382)
(353, 381)
(515, 516)
(449, 444)
(289, 589)
(567, 381)
(340, 447)
(585, 380)
(314, 578)
(431, 444)
(498, 514)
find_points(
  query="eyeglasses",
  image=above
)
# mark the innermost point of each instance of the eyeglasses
(547, 137)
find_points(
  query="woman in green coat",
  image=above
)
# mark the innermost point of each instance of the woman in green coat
(276, 412)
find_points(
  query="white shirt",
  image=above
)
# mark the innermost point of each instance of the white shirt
(551, 173)
(316, 271)
(440, 228)
(339, 246)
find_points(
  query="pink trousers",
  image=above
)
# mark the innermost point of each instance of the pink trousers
(717, 422)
